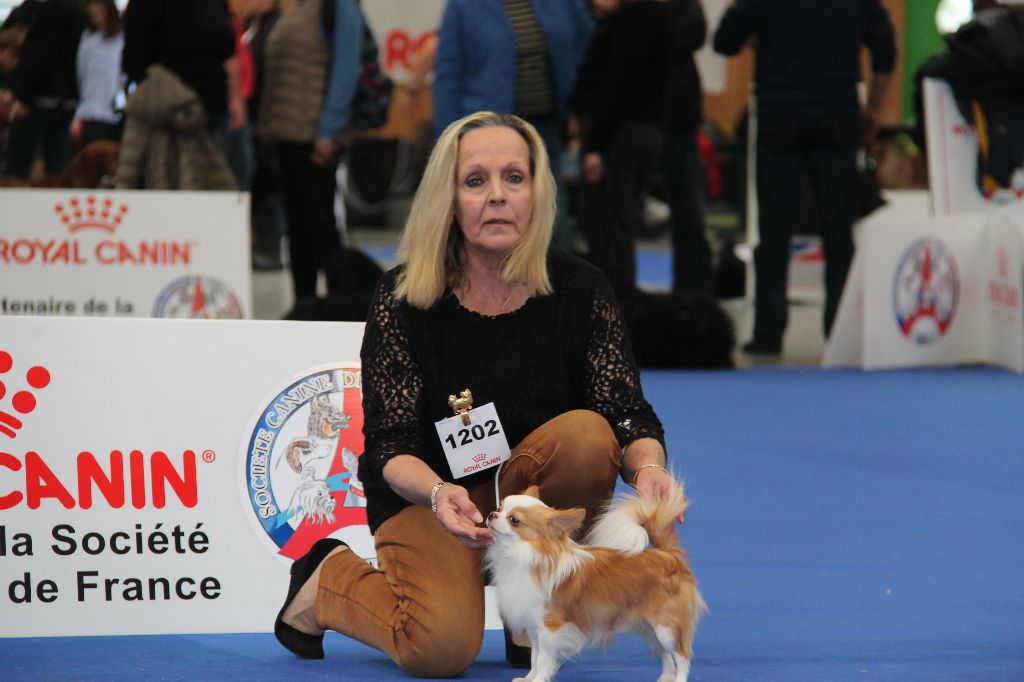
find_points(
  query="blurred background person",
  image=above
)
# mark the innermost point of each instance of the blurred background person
(45, 89)
(266, 207)
(193, 39)
(683, 171)
(241, 76)
(11, 39)
(312, 60)
(810, 127)
(513, 56)
(99, 75)
(620, 100)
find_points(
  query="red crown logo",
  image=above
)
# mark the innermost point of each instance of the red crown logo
(479, 458)
(90, 213)
(24, 401)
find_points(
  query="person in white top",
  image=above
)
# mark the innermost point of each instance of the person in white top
(99, 75)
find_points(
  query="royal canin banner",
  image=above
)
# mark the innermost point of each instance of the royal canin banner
(932, 291)
(958, 165)
(159, 476)
(401, 27)
(74, 253)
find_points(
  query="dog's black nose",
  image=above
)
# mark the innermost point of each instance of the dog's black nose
(492, 516)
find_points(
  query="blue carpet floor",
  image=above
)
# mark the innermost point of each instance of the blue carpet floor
(843, 525)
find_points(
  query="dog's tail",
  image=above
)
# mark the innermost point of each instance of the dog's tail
(633, 522)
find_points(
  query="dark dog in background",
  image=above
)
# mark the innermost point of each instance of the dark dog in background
(678, 331)
(351, 279)
(94, 166)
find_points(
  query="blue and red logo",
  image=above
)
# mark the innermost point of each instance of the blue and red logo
(926, 291)
(302, 461)
(198, 297)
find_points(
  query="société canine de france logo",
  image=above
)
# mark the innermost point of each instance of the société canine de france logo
(198, 297)
(301, 463)
(926, 291)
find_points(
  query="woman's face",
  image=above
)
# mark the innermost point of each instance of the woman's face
(97, 15)
(494, 192)
(603, 8)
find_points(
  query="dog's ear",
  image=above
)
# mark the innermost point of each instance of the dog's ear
(532, 491)
(567, 520)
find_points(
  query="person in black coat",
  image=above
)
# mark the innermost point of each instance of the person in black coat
(810, 127)
(620, 101)
(45, 88)
(681, 164)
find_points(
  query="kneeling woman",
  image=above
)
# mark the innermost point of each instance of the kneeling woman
(478, 302)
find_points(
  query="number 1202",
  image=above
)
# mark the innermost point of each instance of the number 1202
(476, 432)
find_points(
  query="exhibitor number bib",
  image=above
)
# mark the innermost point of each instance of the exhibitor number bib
(474, 441)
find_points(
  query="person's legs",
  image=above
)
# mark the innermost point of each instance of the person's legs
(778, 200)
(308, 192)
(95, 131)
(22, 142)
(552, 132)
(424, 608)
(630, 159)
(833, 179)
(57, 147)
(684, 180)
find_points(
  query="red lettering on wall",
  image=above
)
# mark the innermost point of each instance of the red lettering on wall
(400, 48)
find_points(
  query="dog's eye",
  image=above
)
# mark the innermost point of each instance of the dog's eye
(513, 520)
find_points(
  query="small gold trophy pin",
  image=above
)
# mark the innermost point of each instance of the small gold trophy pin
(461, 404)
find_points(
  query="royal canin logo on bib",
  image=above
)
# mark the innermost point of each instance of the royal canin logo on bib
(926, 291)
(302, 459)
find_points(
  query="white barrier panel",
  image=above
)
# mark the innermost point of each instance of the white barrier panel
(953, 161)
(158, 476)
(941, 291)
(124, 253)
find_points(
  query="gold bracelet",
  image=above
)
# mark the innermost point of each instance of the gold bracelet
(433, 495)
(636, 474)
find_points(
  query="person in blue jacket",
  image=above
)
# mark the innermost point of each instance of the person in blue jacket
(513, 57)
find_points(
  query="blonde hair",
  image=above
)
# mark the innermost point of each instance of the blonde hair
(431, 244)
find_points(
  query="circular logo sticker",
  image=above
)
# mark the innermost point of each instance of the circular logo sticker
(198, 297)
(301, 463)
(926, 291)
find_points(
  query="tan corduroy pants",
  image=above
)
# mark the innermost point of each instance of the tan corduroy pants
(424, 607)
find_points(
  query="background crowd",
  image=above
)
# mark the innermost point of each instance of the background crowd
(257, 95)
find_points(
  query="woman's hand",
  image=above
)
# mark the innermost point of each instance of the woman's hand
(324, 151)
(643, 466)
(653, 482)
(459, 516)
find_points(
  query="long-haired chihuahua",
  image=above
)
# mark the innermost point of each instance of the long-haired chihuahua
(630, 575)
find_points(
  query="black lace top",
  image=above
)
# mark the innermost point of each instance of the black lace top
(564, 351)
